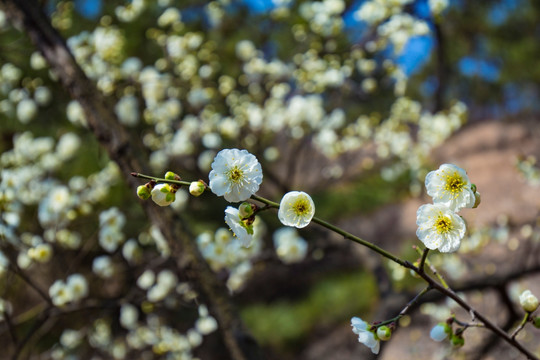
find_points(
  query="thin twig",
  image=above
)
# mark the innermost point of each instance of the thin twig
(521, 325)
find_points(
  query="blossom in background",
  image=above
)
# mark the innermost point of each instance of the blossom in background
(236, 175)
(162, 195)
(528, 301)
(242, 230)
(296, 209)
(290, 247)
(78, 286)
(366, 337)
(439, 227)
(60, 293)
(450, 186)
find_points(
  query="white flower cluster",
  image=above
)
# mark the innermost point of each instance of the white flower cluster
(21, 100)
(324, 16)
(400, 28)
(365, 335)
(222, 250)
(111, 222)
(73, 289)
(177, 132)
(439, 227)
(375, 11)
(158, 287)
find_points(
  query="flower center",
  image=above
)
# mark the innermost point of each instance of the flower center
(235, 174)
(454, 183)
(301, 207)
(443, 224)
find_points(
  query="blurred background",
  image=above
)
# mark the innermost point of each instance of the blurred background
(352, 102)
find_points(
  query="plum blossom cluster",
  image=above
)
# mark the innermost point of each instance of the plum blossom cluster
(22, 100)
(223, 250)
(261, 100)
(371, 335)
(237, 175)
(73, 289)
(439, 226)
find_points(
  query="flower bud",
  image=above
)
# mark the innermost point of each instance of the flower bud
(143, 192)
(536, 322)
(162, 195)
(196, 188)
(245, 210)
(528, 301)
(169, 175)
(384, 333)
(458, 341)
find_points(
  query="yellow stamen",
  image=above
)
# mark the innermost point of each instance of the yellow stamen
(443, 224)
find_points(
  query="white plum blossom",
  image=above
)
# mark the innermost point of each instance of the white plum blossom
(60, 293)
(243, 232)
(439, 227)
(127, 110)
(528, 301)
(41, 253)
(128, 316)
(26, 110)
(78, 286)
(236, 175)
(366, 337)
(103, 266)
(450, 186)
(146, 280)
(206, 324)
(296, 209)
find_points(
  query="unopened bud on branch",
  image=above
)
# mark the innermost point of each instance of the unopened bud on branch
(196, 188)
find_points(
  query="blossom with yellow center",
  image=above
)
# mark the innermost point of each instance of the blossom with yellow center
(236, 175)
(439, 227)
(296, 209)
(450, 186)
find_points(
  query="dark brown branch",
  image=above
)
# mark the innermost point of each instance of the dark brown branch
(130, 155)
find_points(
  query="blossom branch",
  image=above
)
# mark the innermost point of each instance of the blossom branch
(441, 286)
(423, 260)
(432, 268)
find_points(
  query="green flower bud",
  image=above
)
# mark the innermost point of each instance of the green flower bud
(384, 333)
(143, 192)
(196, 188)
(458, 341)
(536, 322)
(169, 175)
(245, 210)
